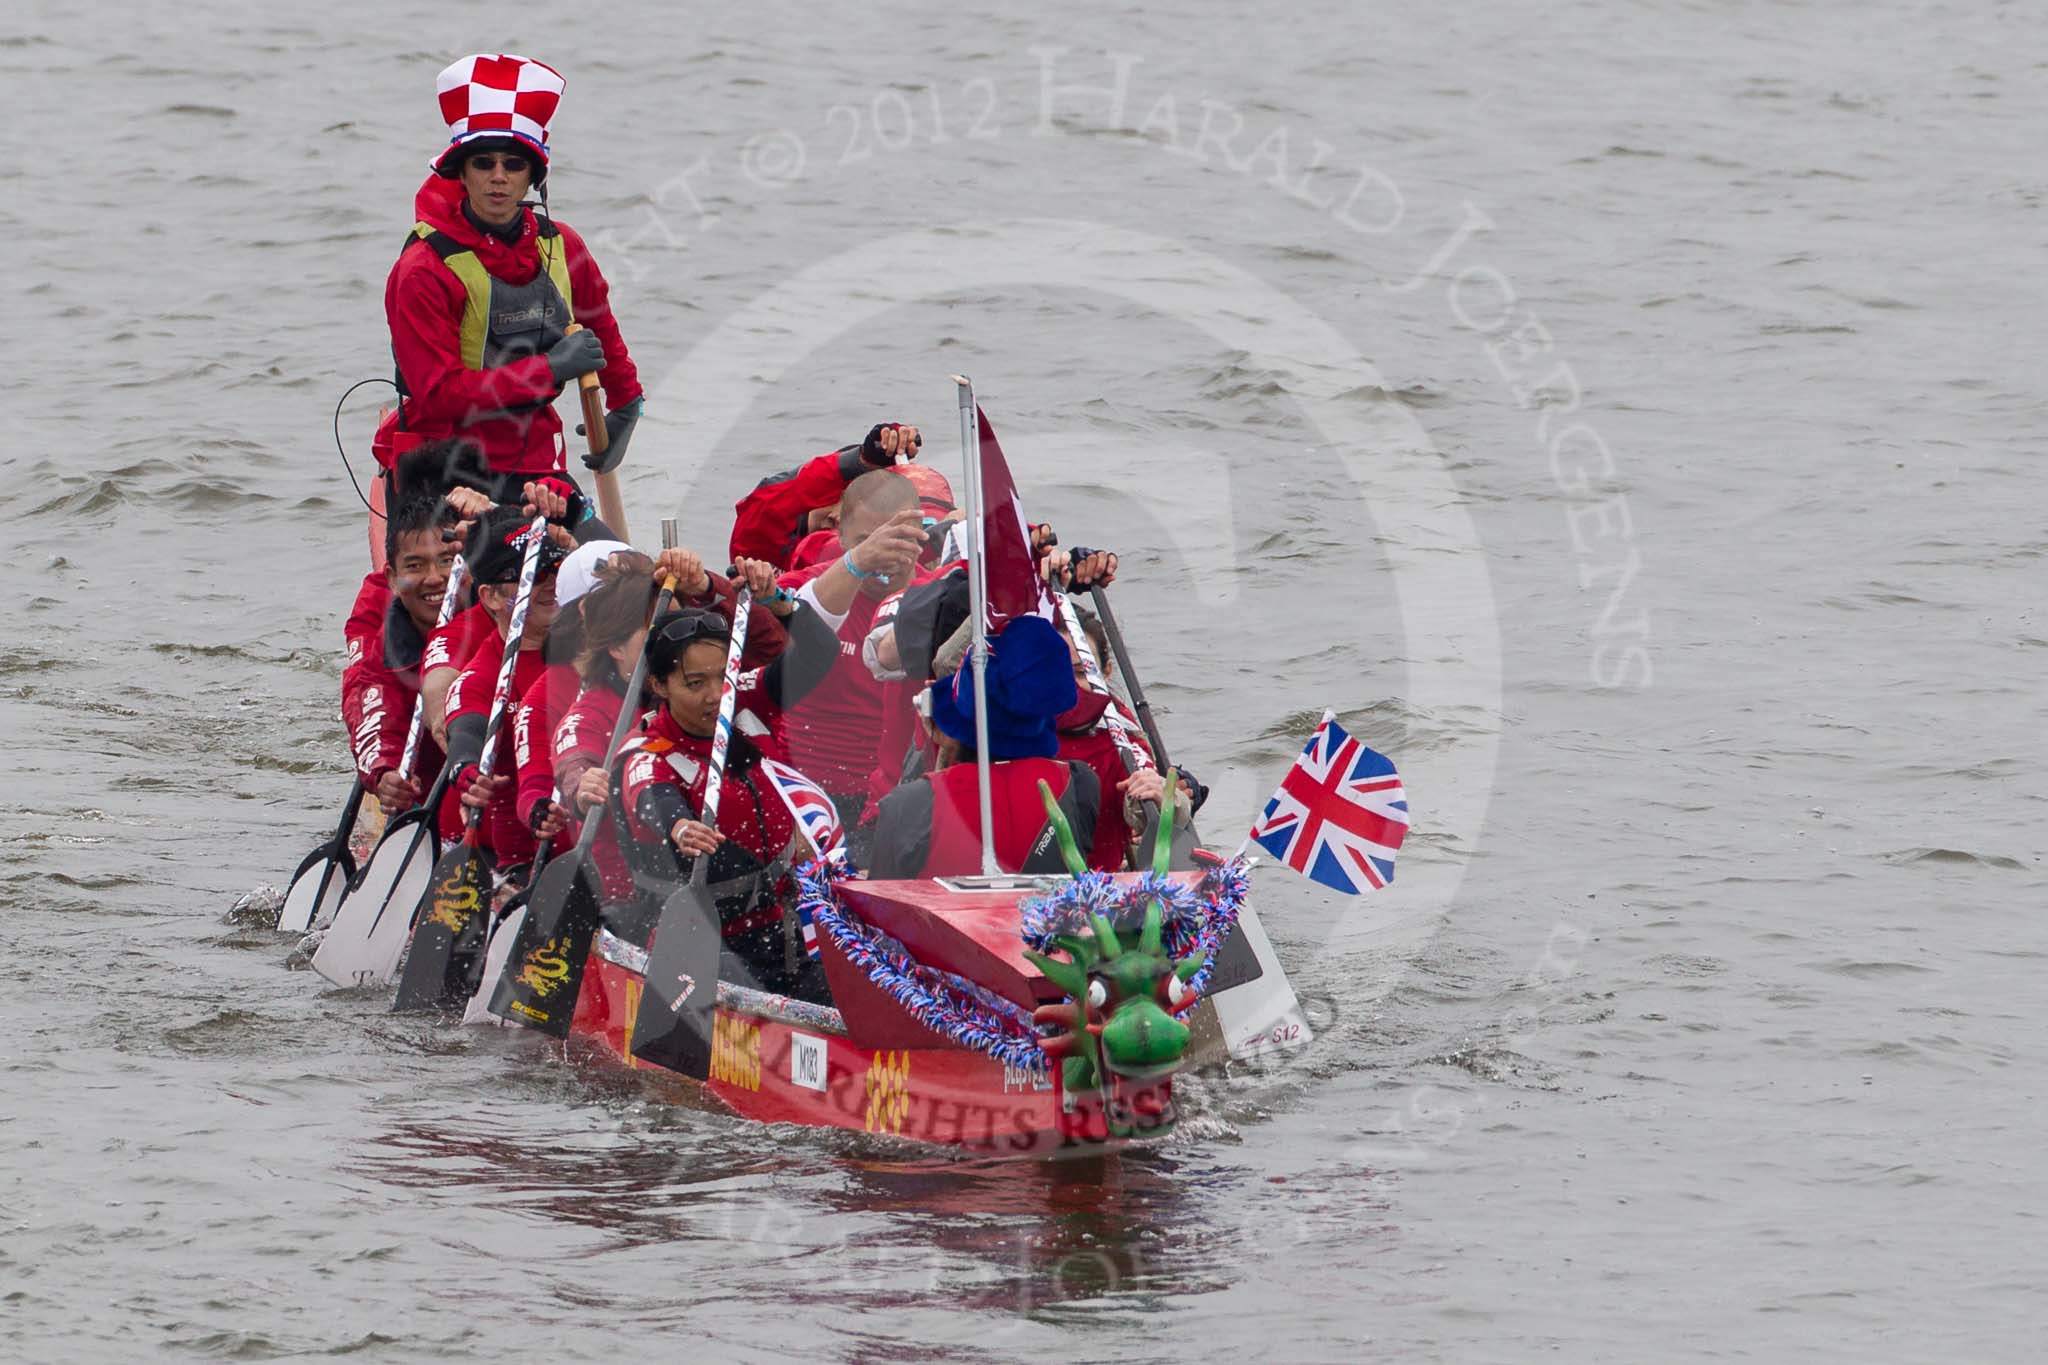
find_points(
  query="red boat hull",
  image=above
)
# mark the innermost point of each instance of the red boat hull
(776, 1071)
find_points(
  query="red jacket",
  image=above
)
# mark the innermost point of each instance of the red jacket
(1085, 739)
(662, 780)
(380, 683)
(769, 521)
(582, 734)
(451, 645)
(932, 827)
(663, 754)
(849, 734)
(541, 706)
(579, 745)
(424, 303)
(469, 697)
(832, 733)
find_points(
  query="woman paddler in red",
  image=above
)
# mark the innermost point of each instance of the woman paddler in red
(662, 773)
(661, 786)
(482, 295)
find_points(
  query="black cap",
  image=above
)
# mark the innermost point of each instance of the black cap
(496, 549)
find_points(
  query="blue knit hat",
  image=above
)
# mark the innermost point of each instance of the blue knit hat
(1030, 683)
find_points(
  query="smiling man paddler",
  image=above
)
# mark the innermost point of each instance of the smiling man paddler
(482, 297)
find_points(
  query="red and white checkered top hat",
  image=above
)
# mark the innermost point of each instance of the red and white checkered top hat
(497, 95)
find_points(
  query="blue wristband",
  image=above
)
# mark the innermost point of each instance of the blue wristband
(848, 561)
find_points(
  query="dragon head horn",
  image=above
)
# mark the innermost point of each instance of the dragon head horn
(1105, 936)
(1071, 977)
(1162, 843)
(1070, 853)
(1149, 938)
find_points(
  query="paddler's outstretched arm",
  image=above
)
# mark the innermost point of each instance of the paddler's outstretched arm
(889, 553)
(774, 514)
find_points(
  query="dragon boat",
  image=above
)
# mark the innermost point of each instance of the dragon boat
(1017, 1015)
(1009, 1015)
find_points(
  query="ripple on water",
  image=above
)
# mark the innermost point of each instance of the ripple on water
(1907, 856)
(228, 1032)
(1870, 970)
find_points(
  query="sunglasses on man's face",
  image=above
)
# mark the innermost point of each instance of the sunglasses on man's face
(513, 164)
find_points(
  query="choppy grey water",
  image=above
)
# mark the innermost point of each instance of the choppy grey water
(1626, 416)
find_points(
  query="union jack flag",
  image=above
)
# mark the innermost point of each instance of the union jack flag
(1340, 813)
(818, 818)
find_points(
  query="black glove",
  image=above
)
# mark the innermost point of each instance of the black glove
(576, 354)
(871, 453)
(1075, 586)
(618, 429)
(1197, 792)
(579, 506)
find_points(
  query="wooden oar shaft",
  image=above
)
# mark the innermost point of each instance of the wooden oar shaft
(610, 505)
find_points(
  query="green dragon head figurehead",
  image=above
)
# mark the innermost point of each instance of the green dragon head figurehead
(1120, 1018)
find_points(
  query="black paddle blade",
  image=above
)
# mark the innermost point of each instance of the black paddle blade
(450, 926)
(317, 882)
(544, 973)
(673, 1028)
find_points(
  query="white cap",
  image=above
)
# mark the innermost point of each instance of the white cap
(578, 573)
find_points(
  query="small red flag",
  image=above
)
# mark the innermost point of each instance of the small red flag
(1014, 587)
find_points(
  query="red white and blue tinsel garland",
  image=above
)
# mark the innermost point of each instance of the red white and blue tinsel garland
(963, 1012)
(1198, 918)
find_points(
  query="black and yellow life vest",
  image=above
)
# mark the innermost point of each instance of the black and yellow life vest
(503, 322)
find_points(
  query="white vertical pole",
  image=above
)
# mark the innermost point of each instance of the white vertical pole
(977, 607)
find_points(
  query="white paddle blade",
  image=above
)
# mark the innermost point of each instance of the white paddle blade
(363, 948)
(330, 905)
(478, 1011)
(1262, 1015)
(319, 887)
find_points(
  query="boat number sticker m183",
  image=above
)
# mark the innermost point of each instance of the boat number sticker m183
(807, 1061)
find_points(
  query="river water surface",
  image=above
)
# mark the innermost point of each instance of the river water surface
(1621, 414)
